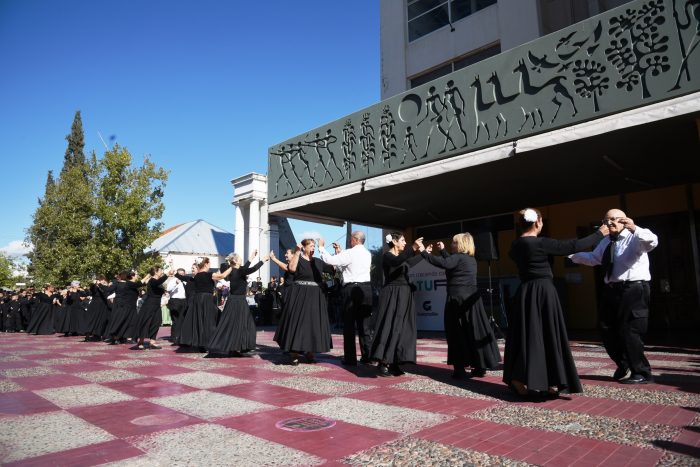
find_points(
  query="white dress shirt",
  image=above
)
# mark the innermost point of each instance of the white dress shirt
(630, 259)
(175, 288)
(354, 263)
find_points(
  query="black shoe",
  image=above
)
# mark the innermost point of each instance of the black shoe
(637, 379)
(365, 361)
(396, 370)
(478, 372)
(384, 371)
(459, 374)
(345, 362)
(621, 373)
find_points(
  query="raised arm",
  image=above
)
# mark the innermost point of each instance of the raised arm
(442, 262)
(294, 261)
(567, 247)
(280, 264)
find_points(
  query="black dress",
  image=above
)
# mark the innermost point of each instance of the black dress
(41, 322)
(236, 329)
(64, 315)
(150, 317)
(76, 312)
(395, 327)
(98, 311)
(304, 323)
(537, 346)
(200, 321)
(126, 293)
(470, 339)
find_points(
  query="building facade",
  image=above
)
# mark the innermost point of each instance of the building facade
(599, 114)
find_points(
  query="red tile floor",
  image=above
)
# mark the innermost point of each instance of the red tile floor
(66, 402)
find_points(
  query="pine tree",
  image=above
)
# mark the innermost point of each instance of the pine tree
(76, 144)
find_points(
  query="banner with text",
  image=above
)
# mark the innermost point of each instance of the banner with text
(429, 297)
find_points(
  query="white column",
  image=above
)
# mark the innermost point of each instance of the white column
(239, 231)
(274, 237)
(264, 241)
(253, 227)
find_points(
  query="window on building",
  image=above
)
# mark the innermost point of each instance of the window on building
(455, 65)
(426, 16)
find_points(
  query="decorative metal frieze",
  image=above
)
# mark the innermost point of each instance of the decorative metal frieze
(643, 52)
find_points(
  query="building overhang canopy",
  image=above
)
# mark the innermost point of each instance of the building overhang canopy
(607, 106)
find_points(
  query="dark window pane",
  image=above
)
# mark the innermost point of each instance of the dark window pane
(437, 232)
(481, 4)
(419, 7)
(477, 57)
(427, 23)
(431, 75)
(461, 9)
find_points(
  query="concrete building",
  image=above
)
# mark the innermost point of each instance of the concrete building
(182, 244)
(598, 114)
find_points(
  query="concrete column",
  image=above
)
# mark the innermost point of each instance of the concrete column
(239, 231)
(253, 227)
(264, 271)
(274, 237)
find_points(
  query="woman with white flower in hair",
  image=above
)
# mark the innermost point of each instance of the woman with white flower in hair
(537, 358)
(395, 326)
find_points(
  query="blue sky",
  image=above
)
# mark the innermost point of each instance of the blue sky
(204, 87)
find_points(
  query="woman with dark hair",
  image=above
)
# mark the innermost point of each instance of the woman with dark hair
(304, 326)
(126, 293)
(149, 316)
(395, 327)
(98, 309)
(287, 280)
(41, 322)
(200, 321)
(470, 339)
(537, 358)
(236, 330)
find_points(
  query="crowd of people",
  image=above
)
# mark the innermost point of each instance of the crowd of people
(537, 360)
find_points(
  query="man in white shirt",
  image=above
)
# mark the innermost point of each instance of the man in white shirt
(355, 264)
(625, 311)
(177, 304)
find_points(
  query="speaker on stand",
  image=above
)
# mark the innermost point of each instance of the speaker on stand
(485, 250)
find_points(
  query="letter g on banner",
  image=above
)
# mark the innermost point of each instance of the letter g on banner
(427, 305)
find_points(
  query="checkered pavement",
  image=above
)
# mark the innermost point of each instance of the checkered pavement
(66, 402)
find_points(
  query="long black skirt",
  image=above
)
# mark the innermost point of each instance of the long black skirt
(149, 318)
(304, 325)
(200, 321)
(77, 318)
(98, 314)
(470, 338)
(63, 316)
(236, 329)
(42, 320)
(537, 346)
(395, 326)
(120, 320)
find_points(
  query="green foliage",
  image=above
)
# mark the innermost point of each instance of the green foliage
(6, 279)
(98, 217)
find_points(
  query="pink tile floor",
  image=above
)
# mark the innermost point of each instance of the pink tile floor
(66, 402)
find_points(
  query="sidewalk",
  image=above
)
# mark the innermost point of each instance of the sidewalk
(65, 402)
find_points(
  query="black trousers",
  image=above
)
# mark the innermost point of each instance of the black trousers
(177, 307)
(357, 313)
(623, 322)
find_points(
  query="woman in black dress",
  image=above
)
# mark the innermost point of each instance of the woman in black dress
(288, 279)
(42, 321)
(98, 309)
(395, 327)
(470, 339)
(202, 314)
(149, 316)
(236, 330)
(76, 311)
(126, 292)
(304, 326)
(537, 357)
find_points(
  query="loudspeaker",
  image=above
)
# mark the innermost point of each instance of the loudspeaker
(485, 247)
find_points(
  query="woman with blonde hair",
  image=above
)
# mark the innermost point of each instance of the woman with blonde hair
(199, 323)
(470, 339)
(236, 330)
(537, 358)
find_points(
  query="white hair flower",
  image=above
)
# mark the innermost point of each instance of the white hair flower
(530, 215)
(388, 238)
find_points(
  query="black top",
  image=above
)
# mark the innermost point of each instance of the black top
(98, 292)
(125, 292)
(41, 297)
(203, 282)
(74, 297)
(396, 267)
(311, 271)
(531, 254)
(154, 286)
(239, 278)
(460, 268)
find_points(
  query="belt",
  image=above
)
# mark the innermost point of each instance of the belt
(620, 284)
(349, 284)
(305, 283)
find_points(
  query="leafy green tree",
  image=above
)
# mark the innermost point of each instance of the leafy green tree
(6, 274)
(76, 144)
(129, 205)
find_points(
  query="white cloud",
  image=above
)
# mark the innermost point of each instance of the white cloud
(16, 248)
(314, 234)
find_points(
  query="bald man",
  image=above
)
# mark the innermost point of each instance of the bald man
(624, 316)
